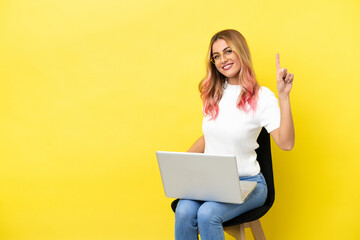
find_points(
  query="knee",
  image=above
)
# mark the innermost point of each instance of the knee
(184, 213)
(207, 216)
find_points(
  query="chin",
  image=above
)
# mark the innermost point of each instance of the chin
(230, 74)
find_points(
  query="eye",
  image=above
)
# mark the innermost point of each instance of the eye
(228, 52)
(216, 56)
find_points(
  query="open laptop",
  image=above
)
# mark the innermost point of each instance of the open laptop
(203, 177)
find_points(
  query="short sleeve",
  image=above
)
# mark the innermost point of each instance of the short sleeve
(269, 111)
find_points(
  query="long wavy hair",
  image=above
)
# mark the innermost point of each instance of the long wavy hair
(211, 86)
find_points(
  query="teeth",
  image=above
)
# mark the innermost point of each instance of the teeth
(227, 67)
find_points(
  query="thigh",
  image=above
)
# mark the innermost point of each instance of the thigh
(222, 212)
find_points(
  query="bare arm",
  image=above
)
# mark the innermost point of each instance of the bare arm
(198, 146)
(284, 136)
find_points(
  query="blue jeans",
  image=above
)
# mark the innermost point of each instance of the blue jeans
(209, 216)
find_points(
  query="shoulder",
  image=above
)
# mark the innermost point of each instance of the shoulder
(265, 94)
(265, 91)
(268, 109)
(267, 99)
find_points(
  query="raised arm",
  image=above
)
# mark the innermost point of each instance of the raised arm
(198, 146)
(284, 136)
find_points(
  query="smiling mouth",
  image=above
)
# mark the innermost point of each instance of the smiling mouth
(227, 66)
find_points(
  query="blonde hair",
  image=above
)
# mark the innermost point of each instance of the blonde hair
(211, 86)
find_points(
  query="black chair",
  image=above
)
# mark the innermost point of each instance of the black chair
(251, 218)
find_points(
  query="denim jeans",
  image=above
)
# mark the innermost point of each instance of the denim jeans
(209, 216)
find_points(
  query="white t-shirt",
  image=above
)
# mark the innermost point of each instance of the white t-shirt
(235, 131)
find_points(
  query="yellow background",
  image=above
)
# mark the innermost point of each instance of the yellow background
(89, 90)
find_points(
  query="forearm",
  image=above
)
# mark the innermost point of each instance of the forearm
(286, 130)
(198, 146)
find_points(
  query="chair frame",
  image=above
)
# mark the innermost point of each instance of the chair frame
(236, 226)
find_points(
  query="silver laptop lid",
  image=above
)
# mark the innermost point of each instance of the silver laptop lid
(200, 176)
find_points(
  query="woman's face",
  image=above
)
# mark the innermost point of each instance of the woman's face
(226, 61)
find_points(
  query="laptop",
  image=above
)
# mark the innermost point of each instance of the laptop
(202, 177)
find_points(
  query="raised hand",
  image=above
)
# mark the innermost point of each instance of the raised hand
(283, 78)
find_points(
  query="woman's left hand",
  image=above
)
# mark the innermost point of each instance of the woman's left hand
(283, 78)
(284, 136)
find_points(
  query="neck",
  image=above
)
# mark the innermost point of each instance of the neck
(234, 80)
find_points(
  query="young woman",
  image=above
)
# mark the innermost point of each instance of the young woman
(235, 109)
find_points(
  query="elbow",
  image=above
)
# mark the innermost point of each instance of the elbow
(288, 147)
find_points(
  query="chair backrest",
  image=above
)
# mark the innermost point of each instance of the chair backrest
(265, 160)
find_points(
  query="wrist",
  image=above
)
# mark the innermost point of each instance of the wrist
(284, 97)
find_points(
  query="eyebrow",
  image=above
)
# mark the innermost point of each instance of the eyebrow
(222, 50)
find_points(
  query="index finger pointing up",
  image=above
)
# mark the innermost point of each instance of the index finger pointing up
(278, 68)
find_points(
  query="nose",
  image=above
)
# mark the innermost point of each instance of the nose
(223, 58)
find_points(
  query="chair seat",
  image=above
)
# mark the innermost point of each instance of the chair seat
(249, 216)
